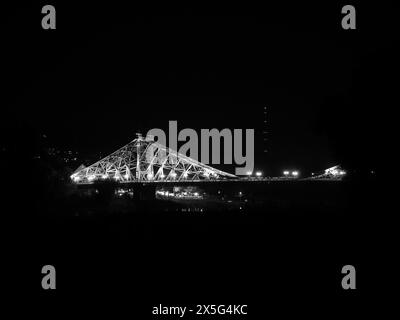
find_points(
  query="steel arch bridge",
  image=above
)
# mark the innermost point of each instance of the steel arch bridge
(144, 160)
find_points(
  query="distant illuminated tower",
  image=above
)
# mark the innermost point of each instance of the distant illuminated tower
(265, 131)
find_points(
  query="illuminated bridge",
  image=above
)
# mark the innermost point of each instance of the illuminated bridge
(146, 161)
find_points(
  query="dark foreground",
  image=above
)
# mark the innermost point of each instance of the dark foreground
(282, 252)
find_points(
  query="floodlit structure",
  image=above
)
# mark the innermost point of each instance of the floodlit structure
(333, 173)
(144, 160)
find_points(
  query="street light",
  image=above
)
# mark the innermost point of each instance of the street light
(249, 173)
(258, 173)
(286, 173)
(295, 173)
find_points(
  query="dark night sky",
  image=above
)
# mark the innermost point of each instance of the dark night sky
(109, 72)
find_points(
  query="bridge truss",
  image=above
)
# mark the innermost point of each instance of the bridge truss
(144, 160)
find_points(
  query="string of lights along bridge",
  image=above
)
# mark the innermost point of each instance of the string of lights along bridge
(146, 161)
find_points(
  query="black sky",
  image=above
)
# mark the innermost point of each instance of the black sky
(108, 72)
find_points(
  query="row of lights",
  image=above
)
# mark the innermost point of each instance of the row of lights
(287, 173)
(258, 173)
(126, 176)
